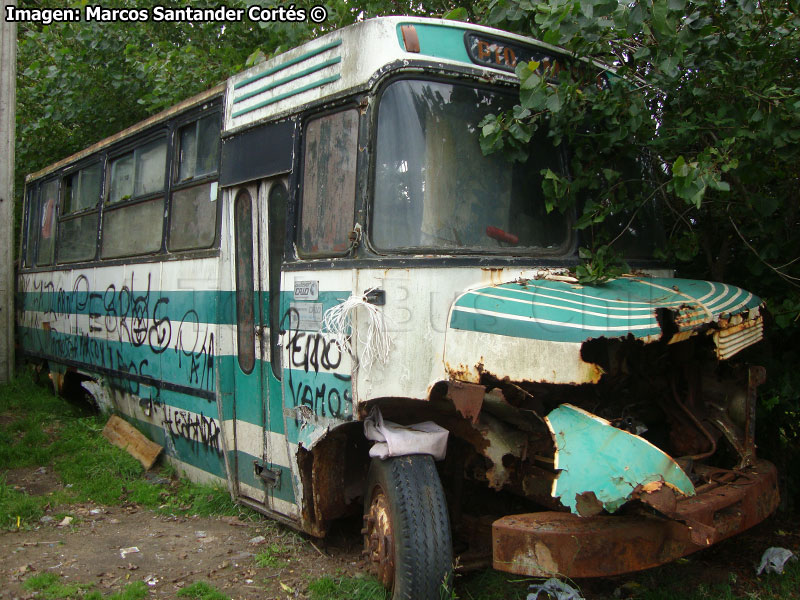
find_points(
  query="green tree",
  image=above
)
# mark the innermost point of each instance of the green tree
(708, 92)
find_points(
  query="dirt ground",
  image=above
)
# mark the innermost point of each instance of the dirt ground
(113, 546)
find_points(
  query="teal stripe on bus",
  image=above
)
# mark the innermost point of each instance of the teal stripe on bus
(531, 329)
(289, 79)
(191, 306)
(179, 306)
(204, 457)
(211, 460)
(288, 63)
(193, 369)
(283, 96)
(247, 475)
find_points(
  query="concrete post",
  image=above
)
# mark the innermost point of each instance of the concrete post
(8, 88)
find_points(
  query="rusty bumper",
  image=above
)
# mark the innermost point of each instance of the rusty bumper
(555, 543)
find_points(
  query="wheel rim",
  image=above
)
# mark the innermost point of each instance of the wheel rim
(378, 538)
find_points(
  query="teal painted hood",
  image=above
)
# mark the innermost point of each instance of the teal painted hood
(562, 311)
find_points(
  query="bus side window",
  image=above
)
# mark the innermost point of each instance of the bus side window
(136, 196)
(329, 184)
(77, 230)
(31, 222)
(193, 205)
(48, 199)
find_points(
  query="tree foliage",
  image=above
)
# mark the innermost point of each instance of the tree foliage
(708, 92)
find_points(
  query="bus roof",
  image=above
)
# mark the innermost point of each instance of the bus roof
(351, 58)
(334, 65)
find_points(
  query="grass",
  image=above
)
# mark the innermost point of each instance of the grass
(346, 588)
(200, 590)
(656, 584)
(37, 428)
(272, 556)
(48, 586)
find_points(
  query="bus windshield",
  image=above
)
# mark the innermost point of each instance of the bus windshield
(435, 191)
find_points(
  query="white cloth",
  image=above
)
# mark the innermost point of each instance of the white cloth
(400, 440)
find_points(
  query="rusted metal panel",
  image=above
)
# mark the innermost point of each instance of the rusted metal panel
(738, 335)
(467, 398)
(755, 377)
(552, 543)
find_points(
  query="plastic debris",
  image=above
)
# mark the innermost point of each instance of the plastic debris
(200, 534)
(555, 590)
(65, 521)
(259, 539)
(123, 552)
(774, 560)
(151, 580)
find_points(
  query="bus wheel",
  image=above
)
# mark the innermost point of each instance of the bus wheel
(406, 528)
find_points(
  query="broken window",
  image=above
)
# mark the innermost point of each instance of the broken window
(329, 184)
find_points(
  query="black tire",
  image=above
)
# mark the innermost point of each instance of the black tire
(415, 560)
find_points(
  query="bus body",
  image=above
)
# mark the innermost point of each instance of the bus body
(182, 270)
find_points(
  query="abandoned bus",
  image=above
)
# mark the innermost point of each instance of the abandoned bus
(309, 284)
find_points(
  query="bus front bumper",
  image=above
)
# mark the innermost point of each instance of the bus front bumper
(546, 544)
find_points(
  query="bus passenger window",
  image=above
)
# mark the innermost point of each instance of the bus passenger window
(329, 184)
(194, 217)
(193, 205)
(199, 148)
(48, 200)
(77, 230)
(135, 178)
(31, 225)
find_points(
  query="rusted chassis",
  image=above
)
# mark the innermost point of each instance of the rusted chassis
(544, 544)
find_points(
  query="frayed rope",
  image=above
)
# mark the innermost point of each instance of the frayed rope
(338, 322)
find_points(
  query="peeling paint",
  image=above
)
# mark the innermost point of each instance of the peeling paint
(595, 457)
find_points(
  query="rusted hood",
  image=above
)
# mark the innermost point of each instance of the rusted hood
(646, 308)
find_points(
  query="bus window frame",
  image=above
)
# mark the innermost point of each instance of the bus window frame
(98, 159)
(459, 77)
(34, 196)
(174, 185)
(295, 216)
(163, 132)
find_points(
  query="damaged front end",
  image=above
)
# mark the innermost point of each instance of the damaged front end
(617, 411)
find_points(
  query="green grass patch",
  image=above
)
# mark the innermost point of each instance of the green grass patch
(49, 587)
(204, 500)
(272, 556)
(133, 591)
(37, 428)
(200, 590)
(347, 588)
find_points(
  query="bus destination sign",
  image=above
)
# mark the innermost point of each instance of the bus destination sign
(502, 54)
